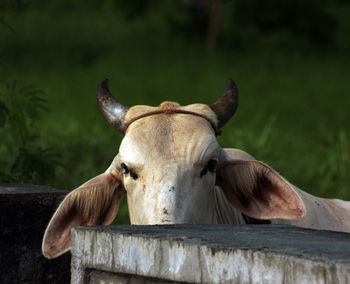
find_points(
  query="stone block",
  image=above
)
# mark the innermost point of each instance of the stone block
(25, 211)
(209, 254)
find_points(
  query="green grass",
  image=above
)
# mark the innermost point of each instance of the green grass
(293, 112)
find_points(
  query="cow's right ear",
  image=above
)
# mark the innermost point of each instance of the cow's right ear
(258, 191)
(96, 202)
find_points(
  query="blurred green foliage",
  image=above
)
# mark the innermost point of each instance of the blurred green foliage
(22, 158)
(289, 59)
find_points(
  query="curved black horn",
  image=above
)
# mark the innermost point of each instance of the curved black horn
(226, 105)
(113, 111)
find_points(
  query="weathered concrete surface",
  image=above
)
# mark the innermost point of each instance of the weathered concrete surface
(25, 211)
(102, 277)
(212, 254)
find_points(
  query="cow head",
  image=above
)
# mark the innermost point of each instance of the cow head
(169, 165)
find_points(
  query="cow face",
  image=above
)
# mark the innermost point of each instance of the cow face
(168, 163)
(170, 166)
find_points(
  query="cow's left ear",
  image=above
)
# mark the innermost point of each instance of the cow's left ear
(258, 191)
(95, 202)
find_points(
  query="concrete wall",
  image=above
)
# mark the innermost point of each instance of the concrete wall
(210, 254)
(163, 254)
(25, 211)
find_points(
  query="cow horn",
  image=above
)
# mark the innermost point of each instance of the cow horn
(113, 111)
(226, 105)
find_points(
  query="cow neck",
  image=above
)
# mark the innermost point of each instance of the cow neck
(173, 111)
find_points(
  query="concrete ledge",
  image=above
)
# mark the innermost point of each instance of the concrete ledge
(210, 254)
(25, 211)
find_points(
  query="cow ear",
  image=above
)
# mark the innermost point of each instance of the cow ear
(95, 202)
(258, 191)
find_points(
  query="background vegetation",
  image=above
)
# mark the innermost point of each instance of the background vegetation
(290, 60)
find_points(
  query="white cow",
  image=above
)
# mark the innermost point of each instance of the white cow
(174, 171)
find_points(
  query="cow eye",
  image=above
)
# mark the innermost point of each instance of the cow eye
(125, 168)
(212, 165)
(203, 172)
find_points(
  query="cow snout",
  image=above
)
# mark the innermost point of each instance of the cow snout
(169, 209)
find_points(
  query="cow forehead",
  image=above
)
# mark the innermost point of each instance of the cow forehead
(165, 137)
(140, 110)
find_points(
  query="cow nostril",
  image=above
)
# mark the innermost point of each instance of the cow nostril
(165, 211)
(172, 188)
